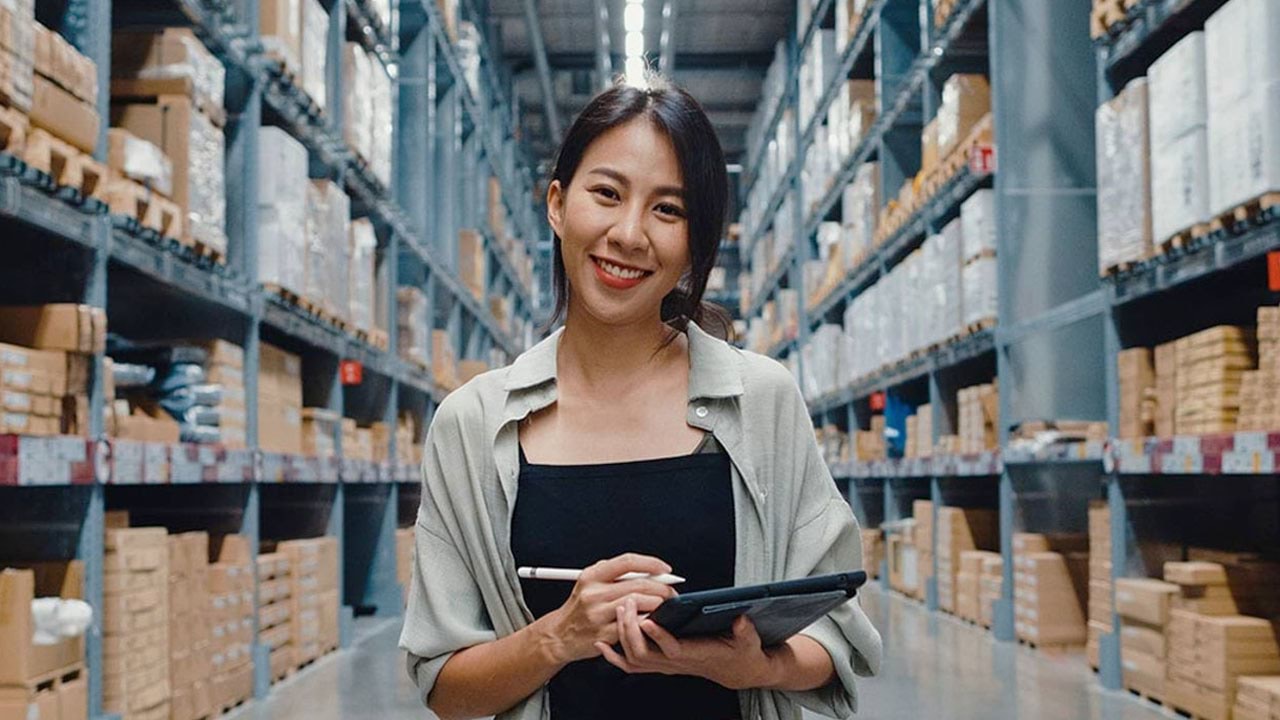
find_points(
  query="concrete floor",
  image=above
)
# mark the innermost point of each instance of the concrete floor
(935, 667)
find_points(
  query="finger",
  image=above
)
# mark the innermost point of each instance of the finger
(665, 641)
(610, 569)
(615, 590)
(613, 658)
(635, 645)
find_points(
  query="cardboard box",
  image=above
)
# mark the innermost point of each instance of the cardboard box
(59, 112)
(22, 660)
(59, 61)
(1144, 599)
(55, 326)
(280, 25)
(472, 261)
(172, 61)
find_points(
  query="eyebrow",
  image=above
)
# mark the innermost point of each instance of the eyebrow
(621, 179)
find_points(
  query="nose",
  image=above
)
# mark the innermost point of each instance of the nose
(627, 234)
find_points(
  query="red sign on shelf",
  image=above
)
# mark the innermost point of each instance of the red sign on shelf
(982, 160)
(352, 372)
(1273, 270)
(877, 401)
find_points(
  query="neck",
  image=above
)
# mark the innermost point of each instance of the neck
(601, 355)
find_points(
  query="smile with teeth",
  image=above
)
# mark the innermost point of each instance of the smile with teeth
(621, 272)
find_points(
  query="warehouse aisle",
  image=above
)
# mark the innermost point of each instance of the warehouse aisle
(935, 667)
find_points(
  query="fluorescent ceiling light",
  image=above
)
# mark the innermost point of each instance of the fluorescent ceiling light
(635, 44)
(633, 18)
(635, 72)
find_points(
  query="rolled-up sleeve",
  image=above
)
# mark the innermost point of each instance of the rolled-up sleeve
(446, 611)
(826, 539)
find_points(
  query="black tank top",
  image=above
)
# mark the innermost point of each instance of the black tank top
(679, 509)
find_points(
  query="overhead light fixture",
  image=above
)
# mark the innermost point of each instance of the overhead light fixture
(635, 72)
(633, 17)
(635, 44)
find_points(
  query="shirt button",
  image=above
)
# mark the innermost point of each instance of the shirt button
(701, 411)
(764, 493)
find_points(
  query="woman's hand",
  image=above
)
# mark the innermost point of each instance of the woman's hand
(738, 662)
(590, 615)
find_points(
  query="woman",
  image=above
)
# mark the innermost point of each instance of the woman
(630, 440)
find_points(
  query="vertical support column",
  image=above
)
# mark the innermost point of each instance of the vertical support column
(931, 587)
(1110, 671)
(91, 550)
(333, 64)
(448, 133)
(1003, 611)
(890, 514)
(337, 516)
(803, 251)
(250, 528)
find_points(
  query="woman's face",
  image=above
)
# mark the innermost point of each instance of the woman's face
(623, 231)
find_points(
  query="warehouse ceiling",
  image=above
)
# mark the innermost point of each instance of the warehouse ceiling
(722, 49)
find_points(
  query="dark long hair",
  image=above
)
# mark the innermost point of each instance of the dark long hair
(706, 189)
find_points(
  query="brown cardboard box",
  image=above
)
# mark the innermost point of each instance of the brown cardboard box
(66, 117)
(1144, 673)
(20, 659)
(280, 24)
(59, 61)
(471, 261)
(56, 326)
(1144, 599)
(20, 704)
(147, 426)
(1140, 637)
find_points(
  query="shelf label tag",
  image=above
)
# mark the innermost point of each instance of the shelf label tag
(1273, 270)
(982, 160)
(352, 372)
(877, 401)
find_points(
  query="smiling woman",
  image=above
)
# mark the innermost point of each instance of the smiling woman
(629, 441)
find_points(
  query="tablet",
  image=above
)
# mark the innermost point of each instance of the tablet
(778, 609)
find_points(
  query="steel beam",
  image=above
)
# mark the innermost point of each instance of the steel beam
(667, 41)
(604, 50)
(544, 69)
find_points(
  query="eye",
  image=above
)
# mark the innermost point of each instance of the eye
(605, 192)
(670, 210)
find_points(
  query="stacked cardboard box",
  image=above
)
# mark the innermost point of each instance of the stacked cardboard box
(279, 400)
(167, 89)
(135, 622)
(965, 100)
(320, 428)
(280, 27)
(1203, 588)
(903, 559)
(979, 418)
(367, 123)
(1260, 389)
(1100, 607)
(65, 91)
(1137, 381)
(190, 644)
(224, 366)
(870, 444)
(1143, 606)
(961, 530)
(362, 297)
(44, 369)
(969, 583)
(1166, 389)
(231, 602)
(922, 514)
(40, 681)
(357, 442)
(414, 325)
(1050, 574)
(275, 611)
(17, 54)
(282, 210)
(139, 160)
(408, 443)
(872, 551)
(1211, 364)
(1208, 654)
(1124, 178)
(405, 550)
(990, 588)
(920, 433)
(471, 262)
(328, 249)
(1257, 698)
(1244, 149)
(1179, 141)
(314, 596)
(444, 363)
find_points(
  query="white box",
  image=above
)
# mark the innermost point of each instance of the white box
(315, 44)
(1179, 184)
(1179, 103)
(978, 224)
(1124, 177)
(282, 209)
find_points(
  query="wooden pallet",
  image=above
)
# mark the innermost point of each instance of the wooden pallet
(65, 165)
(205, 250)
(13, 131)
(1184, 239)
(380, 339)
(1106, 17)
(1142, 694)
(974, 328)
(131, 199)
(228, 708)
(1246, 213)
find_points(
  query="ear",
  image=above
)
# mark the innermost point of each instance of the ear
(555, 206)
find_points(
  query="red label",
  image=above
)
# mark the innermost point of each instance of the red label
(982, 160)
(877, 401)
(1273, 271)
(352, 372)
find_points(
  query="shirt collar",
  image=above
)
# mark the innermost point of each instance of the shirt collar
(713, 365)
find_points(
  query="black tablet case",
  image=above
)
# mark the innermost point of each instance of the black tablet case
(778, 610)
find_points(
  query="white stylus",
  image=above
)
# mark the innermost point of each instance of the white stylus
(541, 573)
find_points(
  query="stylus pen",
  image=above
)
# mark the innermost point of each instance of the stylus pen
(541, 573)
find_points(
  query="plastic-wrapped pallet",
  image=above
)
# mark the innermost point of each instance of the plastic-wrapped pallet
(364, 244)
(280, 26)
(978, 224)
(282, 209)
(414, 325)
(1124, 179)
(861, 203)
(328, 213)
(949, 247)
(380, 115)
(314, 45)
(1242, 50)
(358, 104)
(1179, 140)
(17, 53)
(979, 285)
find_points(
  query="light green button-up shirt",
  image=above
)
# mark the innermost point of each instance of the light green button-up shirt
(790, 519)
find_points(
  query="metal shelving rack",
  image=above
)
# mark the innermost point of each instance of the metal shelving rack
(448, 141)
(1046, 349)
